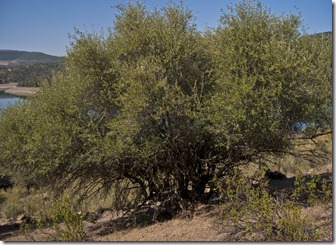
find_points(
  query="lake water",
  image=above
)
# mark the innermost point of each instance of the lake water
(7, 99)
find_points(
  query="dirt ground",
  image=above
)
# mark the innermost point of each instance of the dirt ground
(199, 228)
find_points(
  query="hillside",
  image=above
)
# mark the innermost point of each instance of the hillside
(27, 69)
(326, 34)
(17, 58)
(29, 75)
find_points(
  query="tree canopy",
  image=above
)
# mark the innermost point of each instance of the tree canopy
(155, 109)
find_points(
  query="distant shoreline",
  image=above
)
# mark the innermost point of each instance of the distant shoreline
(12, 88)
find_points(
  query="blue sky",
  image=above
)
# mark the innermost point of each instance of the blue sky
(44, 25)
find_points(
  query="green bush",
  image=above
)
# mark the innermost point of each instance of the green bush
(251, 213)
(67, 222)
(156, 109)
(312, 190)
(64, 224)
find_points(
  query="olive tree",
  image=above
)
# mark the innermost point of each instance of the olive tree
(155, 110)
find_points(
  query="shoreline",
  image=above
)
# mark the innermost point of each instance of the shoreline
(12, 88)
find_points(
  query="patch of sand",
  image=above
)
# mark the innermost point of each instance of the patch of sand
(6, 86)
(12, 88)
(22, 91)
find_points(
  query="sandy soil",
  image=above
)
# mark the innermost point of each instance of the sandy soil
(12, 88)
(199, 228)
(6, 86)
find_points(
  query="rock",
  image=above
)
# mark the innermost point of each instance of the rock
(91, 217)
(24, 217)
(6, 182)
(214, 199)
(275, 175)
(163, 216)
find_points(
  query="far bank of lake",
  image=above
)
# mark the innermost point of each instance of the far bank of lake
(13, 89)
(10, 93)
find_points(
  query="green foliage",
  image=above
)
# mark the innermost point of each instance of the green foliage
(155, 109)
(266, 78)
(312, 190)
(65, 222)
(72, 228)
(251, 213)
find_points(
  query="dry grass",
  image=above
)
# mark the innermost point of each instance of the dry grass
(307, 157)
(321, 215)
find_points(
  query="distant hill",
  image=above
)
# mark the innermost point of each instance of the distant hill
(17, 58)
(327, 33)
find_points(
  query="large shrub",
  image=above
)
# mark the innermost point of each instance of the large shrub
(155, 109)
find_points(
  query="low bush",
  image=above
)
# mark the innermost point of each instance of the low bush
(251, 213)
(312, 190)
(65, 224)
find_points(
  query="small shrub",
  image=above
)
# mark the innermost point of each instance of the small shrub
(251, 213)
(291, 225)
(312, 190)
(65, 224)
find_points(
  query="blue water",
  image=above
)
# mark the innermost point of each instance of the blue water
(299, 126)
(7, 99)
